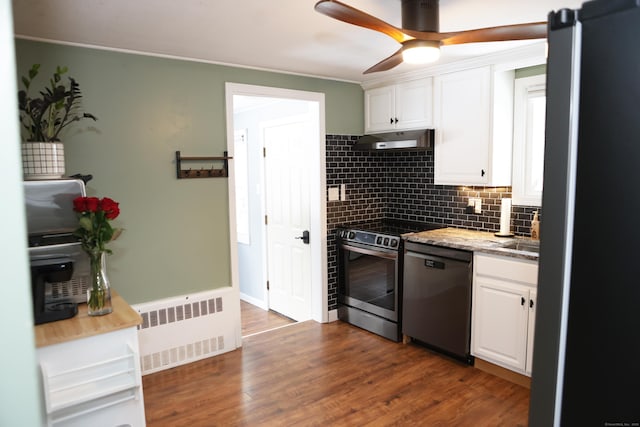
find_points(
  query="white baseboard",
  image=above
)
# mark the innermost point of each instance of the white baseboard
(183, 329)
(333, 315)
(254, 301)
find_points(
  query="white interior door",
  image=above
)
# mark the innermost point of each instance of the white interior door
(287, 146)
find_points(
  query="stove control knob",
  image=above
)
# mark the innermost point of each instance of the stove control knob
(394, 243)
(352, 234)
(378, 240)
(386, 241)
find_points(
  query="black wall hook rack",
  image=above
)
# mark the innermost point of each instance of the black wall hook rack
(202, 173)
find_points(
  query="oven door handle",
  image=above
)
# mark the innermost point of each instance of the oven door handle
(364, 251)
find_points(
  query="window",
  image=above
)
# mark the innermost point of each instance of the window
(240, 159)
(528, 140)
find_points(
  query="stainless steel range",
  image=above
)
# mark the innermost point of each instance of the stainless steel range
(370, 274)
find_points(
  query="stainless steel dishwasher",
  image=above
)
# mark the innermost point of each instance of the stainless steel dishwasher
(436, 302)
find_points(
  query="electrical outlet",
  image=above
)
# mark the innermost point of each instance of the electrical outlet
(474, 205)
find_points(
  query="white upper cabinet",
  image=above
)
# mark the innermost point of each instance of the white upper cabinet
(474, 127)
(528, 140)
(401, 106)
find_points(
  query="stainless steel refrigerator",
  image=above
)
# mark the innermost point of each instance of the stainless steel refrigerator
(586, 362)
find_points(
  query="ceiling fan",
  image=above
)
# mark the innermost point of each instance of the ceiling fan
(420, 36)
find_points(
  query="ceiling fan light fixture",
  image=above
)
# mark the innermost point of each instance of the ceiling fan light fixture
(420, 51)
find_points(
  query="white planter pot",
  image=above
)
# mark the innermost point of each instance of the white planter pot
(43, 160)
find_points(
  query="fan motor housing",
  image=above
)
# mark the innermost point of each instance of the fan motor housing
(421, 15)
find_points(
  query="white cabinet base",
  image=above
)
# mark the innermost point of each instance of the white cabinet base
(93, 381)
(503, 311)
(500, 322)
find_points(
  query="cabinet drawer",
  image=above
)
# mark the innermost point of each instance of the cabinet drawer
(512, 269)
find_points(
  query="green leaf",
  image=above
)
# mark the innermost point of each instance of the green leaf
(25, 82)
(85, 223)
(34, 71)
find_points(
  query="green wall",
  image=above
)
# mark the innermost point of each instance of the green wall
(176, 237)
(531, 71)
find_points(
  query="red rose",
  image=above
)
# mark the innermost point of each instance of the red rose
(79, 204)
(92, 204)
(85, 204)
(110, 208)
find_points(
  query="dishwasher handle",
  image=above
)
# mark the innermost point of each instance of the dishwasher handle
(436, 262)
(430, 263)
(429, 260)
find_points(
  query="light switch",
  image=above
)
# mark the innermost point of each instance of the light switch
(478, 206)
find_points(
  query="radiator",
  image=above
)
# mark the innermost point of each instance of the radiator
(183, 329)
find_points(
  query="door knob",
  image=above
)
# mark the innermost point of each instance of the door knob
(304, 237)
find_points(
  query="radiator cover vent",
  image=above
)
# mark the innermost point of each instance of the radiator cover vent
(184, 329)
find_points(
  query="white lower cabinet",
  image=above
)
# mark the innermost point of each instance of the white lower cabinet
(93, 381)
(504, 303)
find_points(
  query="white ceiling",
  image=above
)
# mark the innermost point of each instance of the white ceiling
(280, 35)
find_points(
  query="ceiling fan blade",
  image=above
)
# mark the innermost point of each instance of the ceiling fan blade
(350, 15)
(387, 64)
(533, 30)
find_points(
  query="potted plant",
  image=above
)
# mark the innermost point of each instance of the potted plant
(43, 118)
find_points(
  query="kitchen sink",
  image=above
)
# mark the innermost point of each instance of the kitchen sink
(519, 245)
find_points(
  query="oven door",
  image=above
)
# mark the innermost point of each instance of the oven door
(369, 279)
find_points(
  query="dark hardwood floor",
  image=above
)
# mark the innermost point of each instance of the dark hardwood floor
(256, 320)
(312, 374)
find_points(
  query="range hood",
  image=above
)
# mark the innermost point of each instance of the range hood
(421, 139)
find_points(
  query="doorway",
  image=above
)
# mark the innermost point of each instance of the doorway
(264, 116)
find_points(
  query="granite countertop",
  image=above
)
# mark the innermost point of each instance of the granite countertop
(82, 325)
(470, 240)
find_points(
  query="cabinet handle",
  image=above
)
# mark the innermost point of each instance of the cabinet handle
(396, 120)
(391, 121)
(530, 303)
(522, 300)
(482, 172)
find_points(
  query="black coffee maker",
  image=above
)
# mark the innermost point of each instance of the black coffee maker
(50, 271)
(59, 267)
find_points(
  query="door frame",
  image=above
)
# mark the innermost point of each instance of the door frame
(318, 204)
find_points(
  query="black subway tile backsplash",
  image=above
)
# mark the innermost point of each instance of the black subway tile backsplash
(399, 185)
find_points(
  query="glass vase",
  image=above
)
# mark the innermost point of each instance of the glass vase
(99, 293)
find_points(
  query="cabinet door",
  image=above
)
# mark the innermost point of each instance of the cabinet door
(379, 109)
(531, 329)
(414, 100)
(462, 123)
(500, 322)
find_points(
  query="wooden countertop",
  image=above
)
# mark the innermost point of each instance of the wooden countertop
(82, 325)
